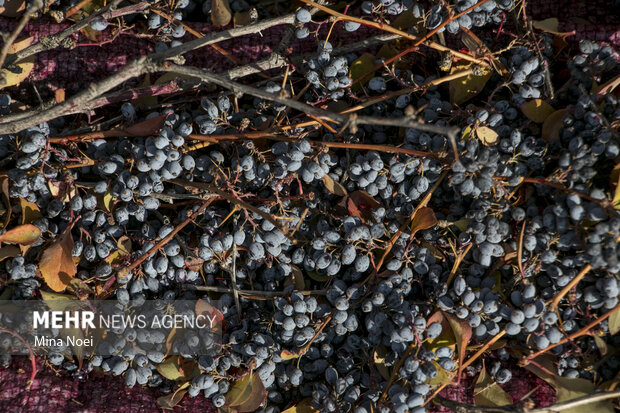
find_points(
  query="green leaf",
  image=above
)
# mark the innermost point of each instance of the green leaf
(362, 65)
(247, 394)
(464, 88)
(552, 125)
(537, 110)
(488, 393)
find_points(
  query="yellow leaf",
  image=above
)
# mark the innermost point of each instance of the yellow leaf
(304, 406)
(247, 394)
(56, 264)
(298, 277)
(378, 356)
(15, 74)
(220, 12)
(489, 393)
(23, 234)
(614, 322)
(537, 110)
(443, 376)
(124, 249)
(108, 201)
(487, 135)
(287, 355)
(169, 368)
(465, 88)
(358, 68)
(30, 211)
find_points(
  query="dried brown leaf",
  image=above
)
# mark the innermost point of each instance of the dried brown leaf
(56, 265)
(423, 219)
(333, 187)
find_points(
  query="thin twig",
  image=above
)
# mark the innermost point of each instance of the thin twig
(124, 272)
(36, 5)
(390, 29)
(33, 361)
(256, 293)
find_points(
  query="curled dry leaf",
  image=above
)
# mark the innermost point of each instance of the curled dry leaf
(56, 265)
(23, 234)
(170, 400)
(487, 135)
(361, 204)
(423, 219)
(333, 187)
(537, 110)
(124, 249)
(220, 12)
(608, 87)
(247, 394)
(489, 393)
(15, 74)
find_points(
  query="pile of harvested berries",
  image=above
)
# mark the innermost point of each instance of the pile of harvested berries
(372, 224)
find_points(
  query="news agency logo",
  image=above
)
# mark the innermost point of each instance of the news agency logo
(86, 319)
(110, 328)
